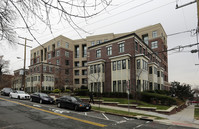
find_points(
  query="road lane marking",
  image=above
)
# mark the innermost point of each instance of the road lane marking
(54, 113)
(105, 116)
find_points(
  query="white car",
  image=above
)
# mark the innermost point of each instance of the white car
(19, 94)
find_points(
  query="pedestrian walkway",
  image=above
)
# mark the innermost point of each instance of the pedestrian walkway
(183, 118)
(186, 115)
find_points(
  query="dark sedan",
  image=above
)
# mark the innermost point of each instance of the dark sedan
(6, 91)
(72, 103)
(41, 98)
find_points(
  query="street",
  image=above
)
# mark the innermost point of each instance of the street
(23, 114)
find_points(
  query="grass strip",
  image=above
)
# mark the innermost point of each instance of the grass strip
(119, 112)
(196, 113)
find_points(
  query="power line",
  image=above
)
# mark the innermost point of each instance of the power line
(182, 32)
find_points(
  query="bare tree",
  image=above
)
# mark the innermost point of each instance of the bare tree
(32, 11)
(4, 65)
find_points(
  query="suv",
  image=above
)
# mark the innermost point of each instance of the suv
(6, 91)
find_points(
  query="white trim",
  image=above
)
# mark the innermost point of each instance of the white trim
(100, 60)
(114, 57)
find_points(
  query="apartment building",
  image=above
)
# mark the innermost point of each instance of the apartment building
(63, 62)
(124, 63)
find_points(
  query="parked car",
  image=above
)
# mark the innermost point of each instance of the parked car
(72, 103)
(19, 94)
(41, 98)
(6, 91)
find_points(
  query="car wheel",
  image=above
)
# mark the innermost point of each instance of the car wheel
(76, 108)
(19, 97)
(30, 99)
(59, 105)
(11, 96)
(40, 101)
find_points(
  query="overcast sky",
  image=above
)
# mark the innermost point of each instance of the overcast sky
(125, 16)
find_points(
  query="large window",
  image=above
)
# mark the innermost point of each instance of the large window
(109, 50)
(114, 86)
(121, 47)
(84, 72)
(154, 34)
(138, 63)
(123, 64)
(98, 53)
(84, 63)
(76, 81)
(66, 62)
(58, 43)
(114, 65)
(140, 49)
(77, 64)
(92, 43)
(119, 86)
(76, 51)
(67, 45)
(84, 51)
(150, 70)
(91, 69)
(76, 72)
(124, 85)
(49, 55)
(66, 54)
(154, 44)
(145, 38)
(57, 52)
(136, 45)
(119, 65)
(57, 62)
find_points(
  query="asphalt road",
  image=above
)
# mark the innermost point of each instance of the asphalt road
(23, 114)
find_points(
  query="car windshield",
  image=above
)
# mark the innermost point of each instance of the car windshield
(43, 95)
(20, 92)
(7, 89)
(75, 99)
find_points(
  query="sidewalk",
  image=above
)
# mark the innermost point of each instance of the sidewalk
(182, 118)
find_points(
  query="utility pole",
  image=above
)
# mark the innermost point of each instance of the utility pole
(197, 30)
(24, 67)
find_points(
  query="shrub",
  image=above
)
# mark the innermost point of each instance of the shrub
(157, 98)
(46, 91)
(67, 91)
(82, 92)
(56, 91)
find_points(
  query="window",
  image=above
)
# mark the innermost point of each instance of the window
(66, 54)
(76, 51)
(49, 62)
(144, 51)
(123, 64)
(158, 73)
(136, 45)
(57, 52)
(31, 62)
(138, 64)
(84, 81)
(92, 43)
(154, 44)
(84, 63)
(84, 72)
(150, 70)
(99, 41)
(49, 55)
(98, 53)
(76, 72)
(58, 43)
(66, 71)
(124, 85)
(119, 86)
(77, 64)
(84, 51)
(67, 45)
(49, 48)
(38, 60)
(145, 38)
(67, 62)
(44, 68)
(91, 69)
(121, 47)
(76, 81)
(37, 69)
(37, 53)
(154, 34)
(105, 40)
(119, 65)
(57, 62)
(114, 65)
(51, 69)
(155, 70)
(109, 51)
(140, 49)
(114, 86)
(95, 69)
(98, 68)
